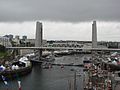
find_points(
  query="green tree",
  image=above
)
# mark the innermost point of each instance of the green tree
(2, 48)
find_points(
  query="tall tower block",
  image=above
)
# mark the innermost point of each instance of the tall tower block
(39, 38)
(94, 35)
(38, 41)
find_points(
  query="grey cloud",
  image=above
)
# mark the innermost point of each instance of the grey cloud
(59, 10)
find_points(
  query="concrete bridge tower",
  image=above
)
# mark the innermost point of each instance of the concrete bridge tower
(94, 35)
(39, 38)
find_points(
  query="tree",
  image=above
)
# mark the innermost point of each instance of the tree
(2, 48)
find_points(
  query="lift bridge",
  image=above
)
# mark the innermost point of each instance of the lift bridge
(39, 38)
(63, 48)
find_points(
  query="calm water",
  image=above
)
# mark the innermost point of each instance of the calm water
(51, 79)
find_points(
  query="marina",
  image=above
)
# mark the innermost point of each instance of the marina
(68, 76)
(53, 78)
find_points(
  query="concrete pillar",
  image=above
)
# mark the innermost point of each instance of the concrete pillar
(94, 35)
(39, 38)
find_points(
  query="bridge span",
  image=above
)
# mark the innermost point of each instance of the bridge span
(65, 48)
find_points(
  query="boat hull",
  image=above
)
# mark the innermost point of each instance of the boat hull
(12, 74)
(114, 67)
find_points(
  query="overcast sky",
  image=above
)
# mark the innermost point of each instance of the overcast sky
(62, 19)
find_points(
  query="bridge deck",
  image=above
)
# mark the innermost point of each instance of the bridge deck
(65, 48)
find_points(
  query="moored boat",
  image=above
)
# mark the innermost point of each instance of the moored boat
(19, 68)
(114, 67)
(113, 62)
(87, 63)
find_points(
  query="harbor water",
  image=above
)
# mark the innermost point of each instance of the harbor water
(55, 78)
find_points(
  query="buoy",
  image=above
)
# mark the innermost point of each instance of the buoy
(50, 66)
(62, 66)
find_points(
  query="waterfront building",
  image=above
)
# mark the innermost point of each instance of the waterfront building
(16, 40)
(32, 42)
(5, 41)
(64, 44)
(17, 37)
(118, 44)
(113, 44)
(10, 36)
(24, 37)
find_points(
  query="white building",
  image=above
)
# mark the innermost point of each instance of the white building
(5, 41)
